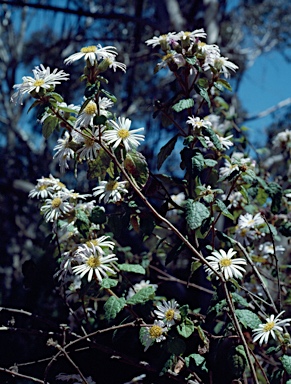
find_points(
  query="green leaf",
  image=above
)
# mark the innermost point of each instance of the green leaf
(239, 299)
(98, 167)
(135, 164)
(176, 346)
(109, 95)
(98, 215)
(184, 310)
(198, 360)
(91, 90)
(183, 104)
(207, 131)
(210, 163)
(191, 60)
(286, 361)
(203, 93)
(224, 209)
(285, 229)
(49, 125)
(34, 104)
(166, 150)
(55, 96)
(275, 192)
(143, 295)
(108, 283)
(248, 318)
(196, 212)
(225, 84)
(197, 163)
(113, 306)
(186, 328)
(135, 268)
(99, 120)
(236, 361)
(82, 222)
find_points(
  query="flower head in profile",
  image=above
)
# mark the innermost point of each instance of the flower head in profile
(223, 262)
(168, 312)
(94, 263)
(225, 142)
(43, 80)
(90, 143)
(163, 40)
(92, 53)
(192, 36)
(220, 63)
(155, 333)
(121, 134)
(110, 190)
(64, 152)
(100, 245)
(270, 327)
(282, 139)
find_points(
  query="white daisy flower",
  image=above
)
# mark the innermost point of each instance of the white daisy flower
(43, 79)
(196, 122)
(110, 190)
(220, 63)
(94, 263)
(104, 104)
(154, 333)
(228, 168)
(64, 152)
(208, 49)
(90, 140)
(267, 249)
(138, 286)
(193, 36)
(42, 190)
(87, 115)
(168, 312)
(56, 207)
(246, 235)
(121, 134)
(162, 40)
(92, 53)
(281, 139)
(172, 58)
(224, 141)
(250, 221)
(113, 64)
(99, 245)
(270, 327)
(223, 262)
(235, 199)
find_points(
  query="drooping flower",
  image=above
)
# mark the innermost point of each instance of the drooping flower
(272, 324)
(90, 140)
(162, 40)
(220, 63)
(121, 134)
(43, 79)
(92, 53)
(56, 207)
(223, 262)
(224, 141)
(110, 190)
(155, 333)
(168, 312)
(94, 263)
(64, 152)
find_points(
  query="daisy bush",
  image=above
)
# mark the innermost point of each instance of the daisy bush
(188, 269)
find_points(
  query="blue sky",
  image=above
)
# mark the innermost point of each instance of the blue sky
(265, 84)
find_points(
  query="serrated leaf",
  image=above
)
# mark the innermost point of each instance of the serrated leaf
(196, 212)
(166, 150)
(207, 131)
(224, 209)
(191, 60)
(210, 163)
(49, 125)
(108, 283)
(183, 104)
(184, 310)
(236, 360)
(286, 361)
(143, 295)
(113, 306)
(135, 164)
(202, 91)
(135, 268)
(248, 318)
(97, 168)
(197, 163)
(240, 300)
(186, 328)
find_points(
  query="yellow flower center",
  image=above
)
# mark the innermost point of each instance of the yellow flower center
(91, 108)
(111, 185)
(244, 232)
(42, 187)
(88, 142)
(123, 133)
(251, 222)
(94, 261)
(90, 48)
(269, 326)
(92, 243)
(155, 331)
(38, 82)
(201, 44)
(225, 262)
(56, 202)
(169, 314)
